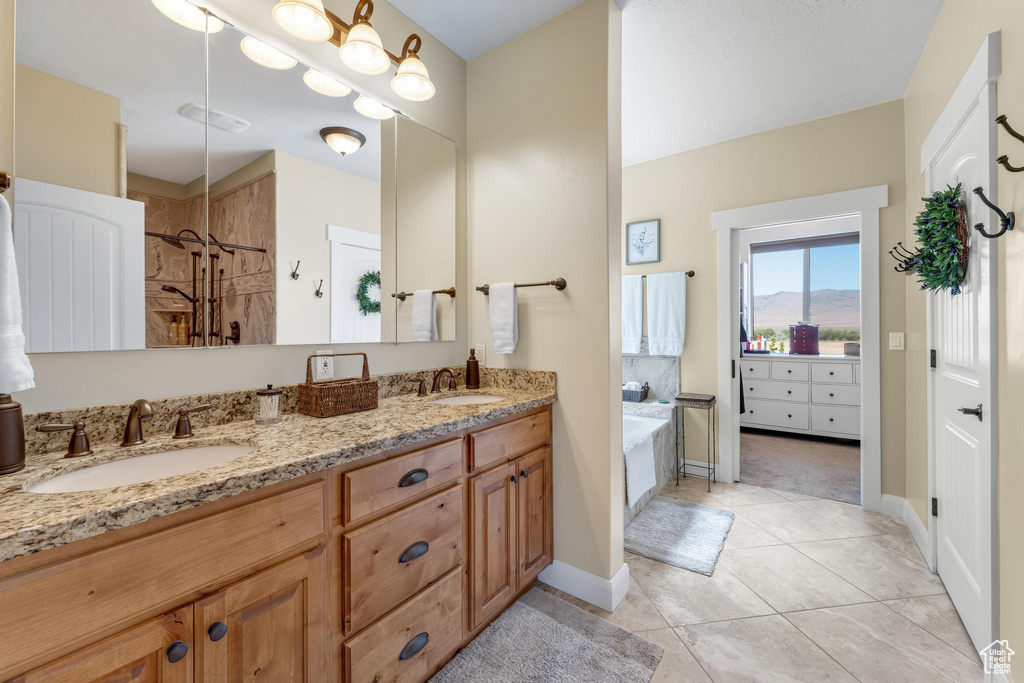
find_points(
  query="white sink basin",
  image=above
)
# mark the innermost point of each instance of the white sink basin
(141, 468)
(468, 400)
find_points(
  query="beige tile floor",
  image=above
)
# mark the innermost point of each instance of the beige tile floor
(804, 590)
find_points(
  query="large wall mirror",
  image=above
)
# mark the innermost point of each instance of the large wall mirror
(148, 216)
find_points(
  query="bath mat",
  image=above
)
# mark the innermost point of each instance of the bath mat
(679, 533)
(544, 638)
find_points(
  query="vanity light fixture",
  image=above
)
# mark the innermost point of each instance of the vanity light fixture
(265, 55)
(325, 85)
(304, 19)
(362, 50)
(342, 140)
(188, 15)
(372, 109)
(412, 82)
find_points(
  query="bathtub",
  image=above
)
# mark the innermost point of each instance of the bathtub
(664, 455)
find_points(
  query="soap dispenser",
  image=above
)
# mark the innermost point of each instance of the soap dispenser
(472, 371)
(172, 330)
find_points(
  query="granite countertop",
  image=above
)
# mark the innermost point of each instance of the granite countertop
(296, 446)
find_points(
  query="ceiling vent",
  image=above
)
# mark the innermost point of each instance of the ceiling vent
(218, 119)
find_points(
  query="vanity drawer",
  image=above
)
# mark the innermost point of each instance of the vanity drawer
(832, 372)
(386, 561)
(510, 439)
(838, 419)
(775, 414)
(375, 654)
(789, 370)
(755, 369)
(835, 394)
(779, 391)
(371, 489)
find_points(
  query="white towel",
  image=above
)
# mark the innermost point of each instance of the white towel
(504, 311)
(632, 386)
(424, 315)
(666, 313)
(638, 450)
(632, 313)
(15, 371)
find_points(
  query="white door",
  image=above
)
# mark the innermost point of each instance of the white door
(81, 268)
(960, 149)
(353, 253)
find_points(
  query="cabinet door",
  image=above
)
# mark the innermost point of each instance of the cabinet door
(142, 654)
(268, 627)
(493, 520)
(535, 526)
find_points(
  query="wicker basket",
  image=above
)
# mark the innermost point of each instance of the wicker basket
(636, 396)
(339, 396)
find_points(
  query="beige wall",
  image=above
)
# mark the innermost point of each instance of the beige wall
(311, 196)
(66, 380)
(958, 34)
(67, 133)
(543, 180)
(857, 149)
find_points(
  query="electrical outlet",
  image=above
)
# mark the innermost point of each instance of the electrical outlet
(323, 368)
(895, 341)
(481, 353)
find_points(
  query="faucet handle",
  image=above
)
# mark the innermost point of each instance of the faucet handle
(421, 386)
(183, 430)
(79, 444)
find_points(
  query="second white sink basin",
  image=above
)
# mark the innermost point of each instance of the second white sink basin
(468, 399)
(141, 468)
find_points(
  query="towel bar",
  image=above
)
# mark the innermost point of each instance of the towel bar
(402, 295)
(558, 284)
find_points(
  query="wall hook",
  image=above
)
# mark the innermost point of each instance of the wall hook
(319, 294)
(906, 258)
(1006, 220)
(295, 272)
(1005, 160)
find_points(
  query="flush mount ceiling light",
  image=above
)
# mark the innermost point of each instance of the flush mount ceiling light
(342, 140)
(217, 119)
(325, 85)
(304, 19)
(188, 15)
(265, 55)
(362, 50)
(372, 109)
(412, 82)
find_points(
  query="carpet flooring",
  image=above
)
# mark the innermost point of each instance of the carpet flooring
(683, 534)
(544, 638)
(810, 465)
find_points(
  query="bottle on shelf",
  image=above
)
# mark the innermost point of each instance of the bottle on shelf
(172, 330)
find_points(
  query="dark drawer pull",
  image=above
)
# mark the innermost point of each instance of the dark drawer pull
(176, 652)
(789, 371)
(417, 549)
(524, 474)
(790, 415)
(831, 373)
(831, 394)
(513, 479)
(789, 391)
(831, 419)
(414, 477)
(217, 631)
(413, 647)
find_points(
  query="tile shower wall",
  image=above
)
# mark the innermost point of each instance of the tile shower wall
(661, 372)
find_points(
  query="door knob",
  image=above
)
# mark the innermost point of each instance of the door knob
(972, 411)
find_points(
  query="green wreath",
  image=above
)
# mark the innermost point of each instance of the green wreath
(942, 235)
(370, 278)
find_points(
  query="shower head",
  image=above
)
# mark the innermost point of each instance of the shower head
(173, 242)
(175, 290)
(177, 244)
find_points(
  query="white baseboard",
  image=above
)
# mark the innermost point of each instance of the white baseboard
(598, 591)
(919, 533)
(893, 505)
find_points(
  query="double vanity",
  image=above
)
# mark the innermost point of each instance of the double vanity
(365, 547)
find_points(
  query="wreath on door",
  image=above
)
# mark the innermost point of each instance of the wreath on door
(370, 278)
(942, 242)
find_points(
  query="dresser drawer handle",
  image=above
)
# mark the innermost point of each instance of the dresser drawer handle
(831, 373)
(176, 652)
(831, 419)
(789, 391)
(789, 371)
(413, 647)
(790, 415)
(217, 631)
(417, 549)
(831, 394)
(414, 477)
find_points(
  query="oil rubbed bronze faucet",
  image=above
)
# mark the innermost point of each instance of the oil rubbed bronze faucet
(183, 430)
(133, 428)
(79, 444)
(435, 388)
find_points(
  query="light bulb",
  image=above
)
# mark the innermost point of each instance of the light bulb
(265, 55)
(325, 85)
(304, 19)
(363, 52)
(372, 109)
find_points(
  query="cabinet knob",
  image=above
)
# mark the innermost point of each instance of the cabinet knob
(831, 373)
(831, 419)
(524, 474)
(413, 477)
(176, 652)
(417, 549)
(789, 391)
(789, 415)
(751, 388)
(789, 371)
(831, 394)
(217, 631)
(413, 647)
(513, 478)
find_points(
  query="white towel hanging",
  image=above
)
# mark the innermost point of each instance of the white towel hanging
(632, 313)
(424, 315)
(16, 372)
(666, 313)
(504, 314)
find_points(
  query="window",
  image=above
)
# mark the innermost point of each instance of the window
(816, 279)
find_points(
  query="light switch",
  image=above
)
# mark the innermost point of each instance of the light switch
(895, 341)
(323, 368)
(481, 353)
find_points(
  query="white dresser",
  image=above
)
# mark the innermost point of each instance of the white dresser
(802, 394)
